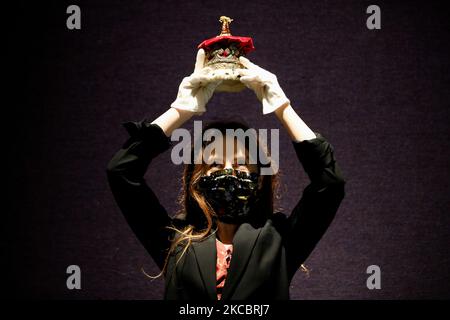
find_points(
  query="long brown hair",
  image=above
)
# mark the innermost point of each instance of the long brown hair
(196, 215)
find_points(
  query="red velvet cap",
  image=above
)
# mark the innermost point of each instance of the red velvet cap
(245, 43)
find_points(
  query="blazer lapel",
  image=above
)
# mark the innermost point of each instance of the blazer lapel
(243, 243)
(205, 254)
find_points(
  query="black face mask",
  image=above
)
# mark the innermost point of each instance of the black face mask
(231, 196)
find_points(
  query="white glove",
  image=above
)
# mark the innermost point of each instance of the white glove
(264, 84)
(195, 91)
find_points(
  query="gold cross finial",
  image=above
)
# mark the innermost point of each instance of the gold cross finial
(225, 25)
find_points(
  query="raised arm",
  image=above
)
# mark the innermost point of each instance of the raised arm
(319, 203)
(141, 208)
(125, 171)
(294, 125)
(321, 198)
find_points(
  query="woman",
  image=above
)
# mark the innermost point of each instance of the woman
(227, 244)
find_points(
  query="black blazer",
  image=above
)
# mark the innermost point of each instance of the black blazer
(264, 259)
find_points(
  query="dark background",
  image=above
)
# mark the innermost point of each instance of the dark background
(380, 97)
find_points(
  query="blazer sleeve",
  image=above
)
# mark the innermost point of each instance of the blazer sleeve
(319, 202)
(125, 172)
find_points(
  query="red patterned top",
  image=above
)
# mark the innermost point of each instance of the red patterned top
(224, 252)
